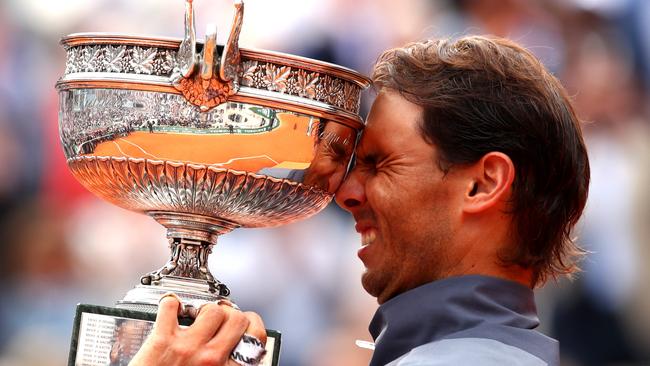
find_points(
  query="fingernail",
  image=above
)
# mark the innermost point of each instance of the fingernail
(169, 294)
(181, 307)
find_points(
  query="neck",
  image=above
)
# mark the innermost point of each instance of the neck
(480, 253)
(496, 269)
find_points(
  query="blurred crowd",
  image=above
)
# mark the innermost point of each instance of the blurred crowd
(60, 245)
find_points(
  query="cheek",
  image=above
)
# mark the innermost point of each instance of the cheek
(390, 207)
(416, 211)
(384, 199)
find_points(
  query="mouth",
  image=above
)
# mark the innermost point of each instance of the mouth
(368, 236)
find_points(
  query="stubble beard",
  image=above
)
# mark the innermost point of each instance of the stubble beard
(373, 282)
(428, 260)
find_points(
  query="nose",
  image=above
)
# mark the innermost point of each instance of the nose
(351, 195)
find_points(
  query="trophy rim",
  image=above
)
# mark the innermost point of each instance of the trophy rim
(344, 114)
(97, 38)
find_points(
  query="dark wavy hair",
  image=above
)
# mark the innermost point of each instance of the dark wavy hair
(482, 94)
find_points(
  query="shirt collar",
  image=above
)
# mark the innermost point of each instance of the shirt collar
(437, 309)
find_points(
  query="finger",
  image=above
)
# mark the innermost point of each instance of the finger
(228, 303)
(256, 326)
(206, 324)
(228, 334)
(167, 317)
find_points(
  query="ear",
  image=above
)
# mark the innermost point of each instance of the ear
(490, 182)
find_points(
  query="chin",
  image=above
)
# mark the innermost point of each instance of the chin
(375, 283)
(367, 283)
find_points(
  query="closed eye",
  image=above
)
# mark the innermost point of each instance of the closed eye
(367, 159)
(366, 163)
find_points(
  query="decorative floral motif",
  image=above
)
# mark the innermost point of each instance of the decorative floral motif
(255, 74)
(252, 75)
(188, 262)
(142, 60)
(163, 63)
(120, 59)
(322, 89)
(113, 58)
(248, 199)
(276, 77)
(306, 83)
(87, 56)
(97, 60)
(335, 93)
(73, 61)
(351, 97)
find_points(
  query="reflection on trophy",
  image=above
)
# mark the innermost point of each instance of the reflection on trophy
(203, 138)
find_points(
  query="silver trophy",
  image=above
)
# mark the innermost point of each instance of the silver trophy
(204, 139)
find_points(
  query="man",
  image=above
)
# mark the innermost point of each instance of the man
(469, 177)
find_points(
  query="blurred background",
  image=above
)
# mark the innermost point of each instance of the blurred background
(61, 246)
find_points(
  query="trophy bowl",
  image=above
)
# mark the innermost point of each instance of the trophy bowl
(204, 138)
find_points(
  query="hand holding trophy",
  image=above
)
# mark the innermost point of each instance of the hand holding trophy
(204, 139)
(208, 341)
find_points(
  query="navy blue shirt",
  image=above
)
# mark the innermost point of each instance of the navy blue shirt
(467, 320)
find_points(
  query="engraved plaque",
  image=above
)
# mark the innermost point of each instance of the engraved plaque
(104, 336)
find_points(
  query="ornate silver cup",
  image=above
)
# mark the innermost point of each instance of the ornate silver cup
(205, 139)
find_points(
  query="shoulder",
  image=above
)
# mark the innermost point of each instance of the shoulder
(468, 351)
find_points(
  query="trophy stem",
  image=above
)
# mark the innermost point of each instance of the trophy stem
(193, 227)
(191, 238)
(189, 261)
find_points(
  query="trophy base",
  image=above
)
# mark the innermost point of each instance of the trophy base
(111, 336)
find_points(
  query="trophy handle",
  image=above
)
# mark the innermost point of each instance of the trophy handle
(231, 58)
(209, 53)
(187, 57)
(208, 89)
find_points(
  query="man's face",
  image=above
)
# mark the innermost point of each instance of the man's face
(402, 202)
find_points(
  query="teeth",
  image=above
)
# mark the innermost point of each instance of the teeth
(368, 237)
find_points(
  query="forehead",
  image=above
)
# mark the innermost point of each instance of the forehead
(392, 120)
